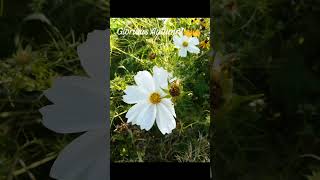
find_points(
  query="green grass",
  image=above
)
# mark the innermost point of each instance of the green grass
(132, 53)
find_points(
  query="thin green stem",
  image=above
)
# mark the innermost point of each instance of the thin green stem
(34, 165)
(140, 60)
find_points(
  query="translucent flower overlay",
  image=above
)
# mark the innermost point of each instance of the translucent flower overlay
(80, 104)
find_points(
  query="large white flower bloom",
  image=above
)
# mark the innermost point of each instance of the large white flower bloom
(151, 102)
(80, 105)
(185, 44)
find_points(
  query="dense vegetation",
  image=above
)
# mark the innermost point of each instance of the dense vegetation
(38, 42)
(265, 89)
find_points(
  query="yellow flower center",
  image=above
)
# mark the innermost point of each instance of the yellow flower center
(185, 44)
(155, 98)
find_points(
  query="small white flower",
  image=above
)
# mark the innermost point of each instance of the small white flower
(185, 44)
(151, 103)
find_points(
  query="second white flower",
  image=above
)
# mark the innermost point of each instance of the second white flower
(185, 44)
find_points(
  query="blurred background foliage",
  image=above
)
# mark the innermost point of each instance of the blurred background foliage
(38, 40)
(265, 82)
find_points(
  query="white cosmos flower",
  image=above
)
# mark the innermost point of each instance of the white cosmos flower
(185, 44)
(151, 102)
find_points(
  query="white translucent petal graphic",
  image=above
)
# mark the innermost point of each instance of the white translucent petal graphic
(81, 155)
(70, 112)
(81, 104)
(90, 59)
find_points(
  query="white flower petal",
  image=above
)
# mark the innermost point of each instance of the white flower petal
(147, 119)
(80, 155)
(193, 41)
(177, 41)
(185, 38)
(193, 49)
(168, 103)
(183, 52)
(139, 119)
(160, 77)
(165, 121)
(134, 111)
(145, 81)
(134, 94)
